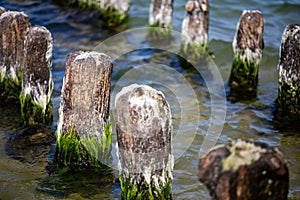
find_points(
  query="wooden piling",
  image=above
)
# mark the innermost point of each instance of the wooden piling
(13, 29)
(247, 48)
(160, 15)
(83, 132)
(37, 83)
(143, 124)
(113, 12)
(245, 170)
(195, 28)
(287, 102)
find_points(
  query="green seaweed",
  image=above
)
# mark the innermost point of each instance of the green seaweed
(10, 88)
(133, 190)
(287, 113)
(244, 75)
(88, 151)
(194, 52)
(113, 17)
(33, 113)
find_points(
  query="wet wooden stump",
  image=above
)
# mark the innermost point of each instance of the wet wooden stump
(160, 15)
(13, 29)
(245, 170)
(195, 28)
(83, 132)
(247, 48)
(37, 83)
(113, 12)
(287, 102)
(143, 124)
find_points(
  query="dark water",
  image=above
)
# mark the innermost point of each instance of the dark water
(74, 29)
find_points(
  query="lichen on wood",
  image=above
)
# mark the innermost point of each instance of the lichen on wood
(247, 47)
(83, 132)
(245, 170)
(143, 124)
(37, 83)
(288, 100)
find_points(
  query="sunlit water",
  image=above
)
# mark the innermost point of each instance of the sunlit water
(74, 29)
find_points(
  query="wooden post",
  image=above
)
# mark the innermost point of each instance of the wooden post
(37, 83)
(83, 132)
(13, 29)
(160, 15)
(114, 12)
(245, 170)
(287, 103)
(247, 48)
(195, 28)
(143, 123)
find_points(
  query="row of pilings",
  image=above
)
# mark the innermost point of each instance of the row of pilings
(142, 114)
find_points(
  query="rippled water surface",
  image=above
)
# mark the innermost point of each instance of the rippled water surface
(24, 174)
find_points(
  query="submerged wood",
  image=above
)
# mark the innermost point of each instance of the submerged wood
(245, 170)
(83, 132)
(287, 102)
(37, 83)
(13, 29)
(143, 123)
(195, 28)
(247, 48)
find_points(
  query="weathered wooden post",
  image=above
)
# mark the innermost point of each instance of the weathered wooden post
(37, 83)
(83, 132)
(13, 29)
(114, 12)
(288, 100)
(245, 170)
(143, 123)
(247, 48)
(195, 28)
(160, 15)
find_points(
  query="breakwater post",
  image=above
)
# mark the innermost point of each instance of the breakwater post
(113, 12)
(195, 28)
(14, 27)
(245, 170)
(160, 15)
(288, 100)
(143, 124)
(37, 83)
(247, 48)
(83, 132)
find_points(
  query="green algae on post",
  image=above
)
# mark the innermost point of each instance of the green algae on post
(13, 29)
(245, 170)
(288, 100)
(195, 29)
(83, 133)
(143, 124)
(37, 83)
(247, 47)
